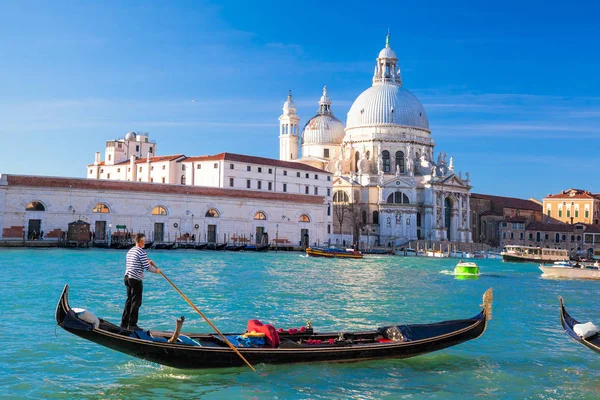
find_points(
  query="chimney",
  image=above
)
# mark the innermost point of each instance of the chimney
(133, 169)
(97, 160)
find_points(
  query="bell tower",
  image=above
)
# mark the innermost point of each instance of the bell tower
(288, 131)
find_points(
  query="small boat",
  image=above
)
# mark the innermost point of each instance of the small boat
(254, 247)
(566, 269)
(201, 246)
(148, 245)
(234, 247)
(216, 246)
(208, 350)
(569, 325)
(332, 252)
(466, 269)
(164, 246)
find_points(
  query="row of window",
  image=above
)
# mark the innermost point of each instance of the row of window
(560, 213)
(538, 237)
(158, 210)
(395, 198)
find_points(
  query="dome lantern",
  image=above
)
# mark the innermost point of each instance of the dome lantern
(386, 69)
(325, 103)
(289, 107)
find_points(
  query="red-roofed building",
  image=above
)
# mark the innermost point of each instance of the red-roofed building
(573, 205)
(579, 239)
(491, 215)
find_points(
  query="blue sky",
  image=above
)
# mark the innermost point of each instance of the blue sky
(511, 89)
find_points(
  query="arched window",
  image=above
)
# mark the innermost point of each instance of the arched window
(364, 216)
(503, 235)
(260, 216)
(385, 157)
(35, 206)
(398, 198)
(159, 210)
(375, 217)
(101, 208)
(356, 159)
(212, 213)
(557, 238)
(538, 237)
(304, 218)
(340, 197)
(183, 179)
(400, 161)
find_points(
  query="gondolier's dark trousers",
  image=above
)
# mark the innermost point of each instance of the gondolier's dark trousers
(135, 288)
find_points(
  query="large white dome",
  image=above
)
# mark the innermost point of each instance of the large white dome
(387, 104)
(323, 129)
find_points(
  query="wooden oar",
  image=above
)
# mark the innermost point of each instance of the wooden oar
(206, 319)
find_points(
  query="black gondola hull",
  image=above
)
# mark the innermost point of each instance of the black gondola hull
(184, 356)
(568, 322)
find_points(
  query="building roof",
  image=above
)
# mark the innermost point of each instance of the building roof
(516, 219)
(256, 160)
(508, 202)
(144, 187)
(543, 227)
(572, 194)
(143, 160)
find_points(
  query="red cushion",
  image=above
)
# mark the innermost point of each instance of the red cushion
(271, 335)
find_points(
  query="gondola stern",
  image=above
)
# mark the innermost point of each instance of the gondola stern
(488, 298)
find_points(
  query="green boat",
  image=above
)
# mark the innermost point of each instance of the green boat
(466, 269)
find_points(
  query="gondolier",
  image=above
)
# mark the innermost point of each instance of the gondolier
(137, 262)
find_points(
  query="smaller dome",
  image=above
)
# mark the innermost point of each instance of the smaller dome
(289, 103)
(387, 52)
(323, 129)
(130, 136)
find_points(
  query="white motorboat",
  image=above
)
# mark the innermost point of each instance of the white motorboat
(569, 270)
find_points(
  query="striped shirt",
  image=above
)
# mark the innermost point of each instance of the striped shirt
(137, 262)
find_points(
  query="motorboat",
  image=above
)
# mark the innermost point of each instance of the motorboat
(466, 270)
(569, 270)
(333, 252)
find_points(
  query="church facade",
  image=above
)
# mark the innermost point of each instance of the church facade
(389, 185)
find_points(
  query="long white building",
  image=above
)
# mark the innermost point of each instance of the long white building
(165, 212)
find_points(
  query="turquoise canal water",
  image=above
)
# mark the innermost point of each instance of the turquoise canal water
(523, 354)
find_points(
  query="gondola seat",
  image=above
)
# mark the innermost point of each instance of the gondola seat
(271, 335)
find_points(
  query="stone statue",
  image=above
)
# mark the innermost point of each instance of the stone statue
(433, 168)
(409, 165)
(381, 178)
(451, 165)
(397, 170)
(338, 171)
(468, 179)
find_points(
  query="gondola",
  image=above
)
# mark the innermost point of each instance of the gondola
(196, 351)
(253, 247)
(568, 323)
(234, 247)
(148, 245)
(163, 246)
(201, 246)
(216, 246)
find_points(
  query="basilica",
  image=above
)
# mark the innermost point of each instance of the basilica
(389, 186)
